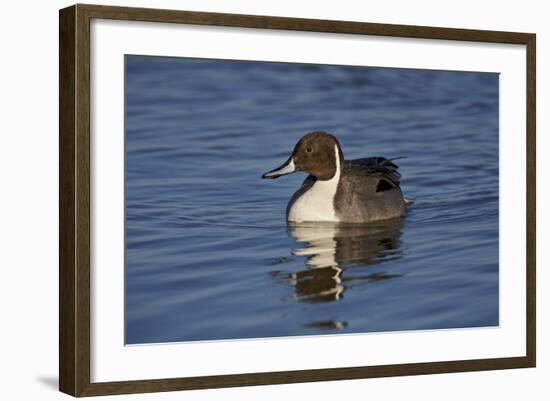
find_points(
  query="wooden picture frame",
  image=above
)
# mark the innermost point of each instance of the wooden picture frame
(74, 200)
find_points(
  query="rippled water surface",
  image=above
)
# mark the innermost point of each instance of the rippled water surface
(208, 252)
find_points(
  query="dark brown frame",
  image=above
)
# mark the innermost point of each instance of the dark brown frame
(74, 199)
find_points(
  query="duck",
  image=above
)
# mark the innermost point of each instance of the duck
(338, 190)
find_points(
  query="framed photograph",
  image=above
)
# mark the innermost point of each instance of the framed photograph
(250, 200)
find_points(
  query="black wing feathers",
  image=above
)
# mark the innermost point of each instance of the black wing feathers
(381, 167)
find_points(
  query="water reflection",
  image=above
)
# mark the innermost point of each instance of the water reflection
(335, 252)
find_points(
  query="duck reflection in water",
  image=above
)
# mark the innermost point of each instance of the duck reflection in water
(331, 249)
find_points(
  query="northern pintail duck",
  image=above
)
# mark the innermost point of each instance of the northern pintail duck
(338, 190)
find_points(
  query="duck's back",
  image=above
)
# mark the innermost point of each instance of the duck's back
(369, 190)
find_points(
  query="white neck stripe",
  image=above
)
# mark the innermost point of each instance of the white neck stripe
(317, 203)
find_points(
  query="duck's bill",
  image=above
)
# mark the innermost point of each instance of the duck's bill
(287, 167)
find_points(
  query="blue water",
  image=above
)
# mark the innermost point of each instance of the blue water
(208, 252)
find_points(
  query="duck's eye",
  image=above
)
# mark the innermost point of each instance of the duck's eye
(309, 150)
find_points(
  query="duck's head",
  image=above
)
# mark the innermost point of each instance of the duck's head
(317, 153)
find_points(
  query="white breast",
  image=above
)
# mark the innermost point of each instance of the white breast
(317, 203)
